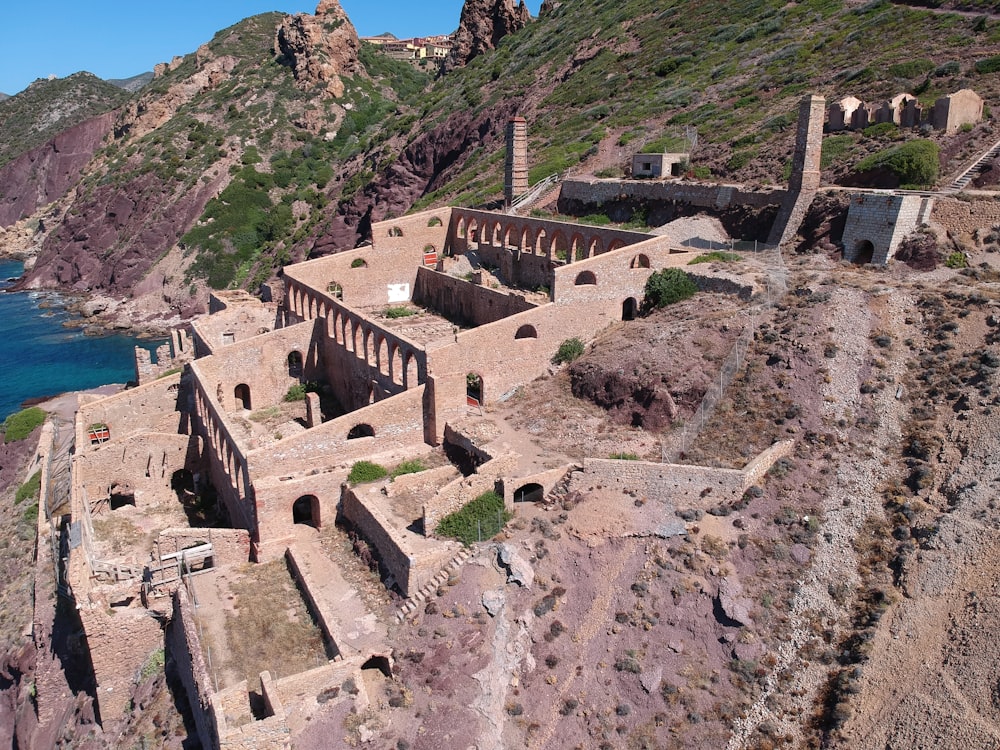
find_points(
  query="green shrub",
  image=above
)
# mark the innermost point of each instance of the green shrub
(913, 162)
(366, 471)
(989, 65)
(568, 350)
(18, 426)
(835, 148)
(880, 129)
(408, 467)
(154, 665)
(480, 519)
(956, 260)
(297, 392)
(720, 256)
(399, 312)
(667, 286)
(624, 457)
(911, 68)
(29, 490)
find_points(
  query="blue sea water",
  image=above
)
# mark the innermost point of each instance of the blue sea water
(39, 357)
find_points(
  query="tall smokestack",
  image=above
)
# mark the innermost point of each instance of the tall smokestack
(515, 178)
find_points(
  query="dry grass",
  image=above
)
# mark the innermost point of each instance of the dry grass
(272, 629)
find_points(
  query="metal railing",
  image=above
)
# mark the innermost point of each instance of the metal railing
(534, 192)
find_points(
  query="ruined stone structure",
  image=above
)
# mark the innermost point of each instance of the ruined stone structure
(805, 176)
(515, 174)
(877, 223)
(658, 165)
(949, 113)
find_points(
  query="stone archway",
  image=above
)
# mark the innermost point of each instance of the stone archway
(305, 511)
(242, 395)
(529, 493)
(630, 308)
(864, 252)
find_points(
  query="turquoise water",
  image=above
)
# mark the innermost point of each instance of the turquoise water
(38, 357)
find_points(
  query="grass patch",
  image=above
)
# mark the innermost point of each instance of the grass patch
(408, 467)
(399, 312)
(480, 519)
(154, 665)
(296, 392)
(270, 615)
(21, 424)
(365, 471)
(721, 256)
(30, 489)
(624, 456)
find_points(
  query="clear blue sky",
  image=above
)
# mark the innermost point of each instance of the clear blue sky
(119, 39)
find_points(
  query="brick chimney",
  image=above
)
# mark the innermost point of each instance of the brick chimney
(515, 178)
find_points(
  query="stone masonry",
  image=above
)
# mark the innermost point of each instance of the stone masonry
(804, 181)
(515, 181)
(876, 224)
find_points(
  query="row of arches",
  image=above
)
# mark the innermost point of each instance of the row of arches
(566, 243)
(226, 453)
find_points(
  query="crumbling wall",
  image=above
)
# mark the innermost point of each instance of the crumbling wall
(961, 217)
(454, 496)
(411, 563)
(519, 268)
(184, 648)
(232, 324)
(588, 192)
(463, 302)
(153, 407)
(229, 546)
(143, 463)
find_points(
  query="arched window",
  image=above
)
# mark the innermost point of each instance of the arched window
(359, 263)
(585, 278)
(526, 332)
(474, 387)
(435, 222)
(395, 232)
(295, 364)
(639, 261)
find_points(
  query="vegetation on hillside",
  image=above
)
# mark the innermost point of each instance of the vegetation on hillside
(46, 108)
(21, 424)
(915, 163)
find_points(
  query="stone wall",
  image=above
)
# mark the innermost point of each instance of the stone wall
(143, 464)
(229, 546)
(411, 559)
(684, 485)
(522, 269)
(153, 407)
(877, 223)
(717, 197)
(961, 217)
(184, 649)
(233, 324)
(463, 302)
(950, 113)
(413, 233)
(455, 495)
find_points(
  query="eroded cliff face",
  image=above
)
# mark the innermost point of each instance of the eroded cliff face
(484, 23)
(321, 49)
(422, 167)
(44, 174)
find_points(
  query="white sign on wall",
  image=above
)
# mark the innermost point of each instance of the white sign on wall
(398, 292)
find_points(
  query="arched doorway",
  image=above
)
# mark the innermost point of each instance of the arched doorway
(630, 309)
(242, 394)
(474, 387)
(305, 510)
(529, 493)
(360, 431)
(295, 364)
(864, 252)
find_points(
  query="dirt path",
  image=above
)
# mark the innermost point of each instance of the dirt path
(852, 498)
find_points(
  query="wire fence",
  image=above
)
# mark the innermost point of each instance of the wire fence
(774, 288)
(741, 246)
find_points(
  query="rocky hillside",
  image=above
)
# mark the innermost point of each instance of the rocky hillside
(284, 137)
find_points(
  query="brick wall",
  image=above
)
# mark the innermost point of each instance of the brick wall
(462, 301)
(184, 648)
(964, 217)
(229, 546)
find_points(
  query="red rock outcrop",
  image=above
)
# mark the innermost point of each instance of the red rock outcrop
(321, 49)
(483, 24)
(44, 174)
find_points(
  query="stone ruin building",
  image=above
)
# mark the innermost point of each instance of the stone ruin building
(949, 113)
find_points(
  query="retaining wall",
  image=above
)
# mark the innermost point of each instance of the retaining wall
(184, 647)
(717, 197)
(463, 302)
(965, 217)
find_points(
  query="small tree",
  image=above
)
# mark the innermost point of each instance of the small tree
(667, 287)
(569, 350)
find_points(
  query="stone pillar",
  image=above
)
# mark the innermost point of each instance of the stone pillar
(808, 144)
(314, 416)
(515, 179)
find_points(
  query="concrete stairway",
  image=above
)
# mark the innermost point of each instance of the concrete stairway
(974, 170)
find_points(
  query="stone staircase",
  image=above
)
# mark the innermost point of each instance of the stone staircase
(973, 170)
(561, 488)
(410, 605)
(524, 202)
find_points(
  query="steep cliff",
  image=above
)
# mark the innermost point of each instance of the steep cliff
(483, 24)
(44, 174)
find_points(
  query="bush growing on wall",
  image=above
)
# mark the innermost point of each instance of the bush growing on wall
(666, 287)
(366, 471)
